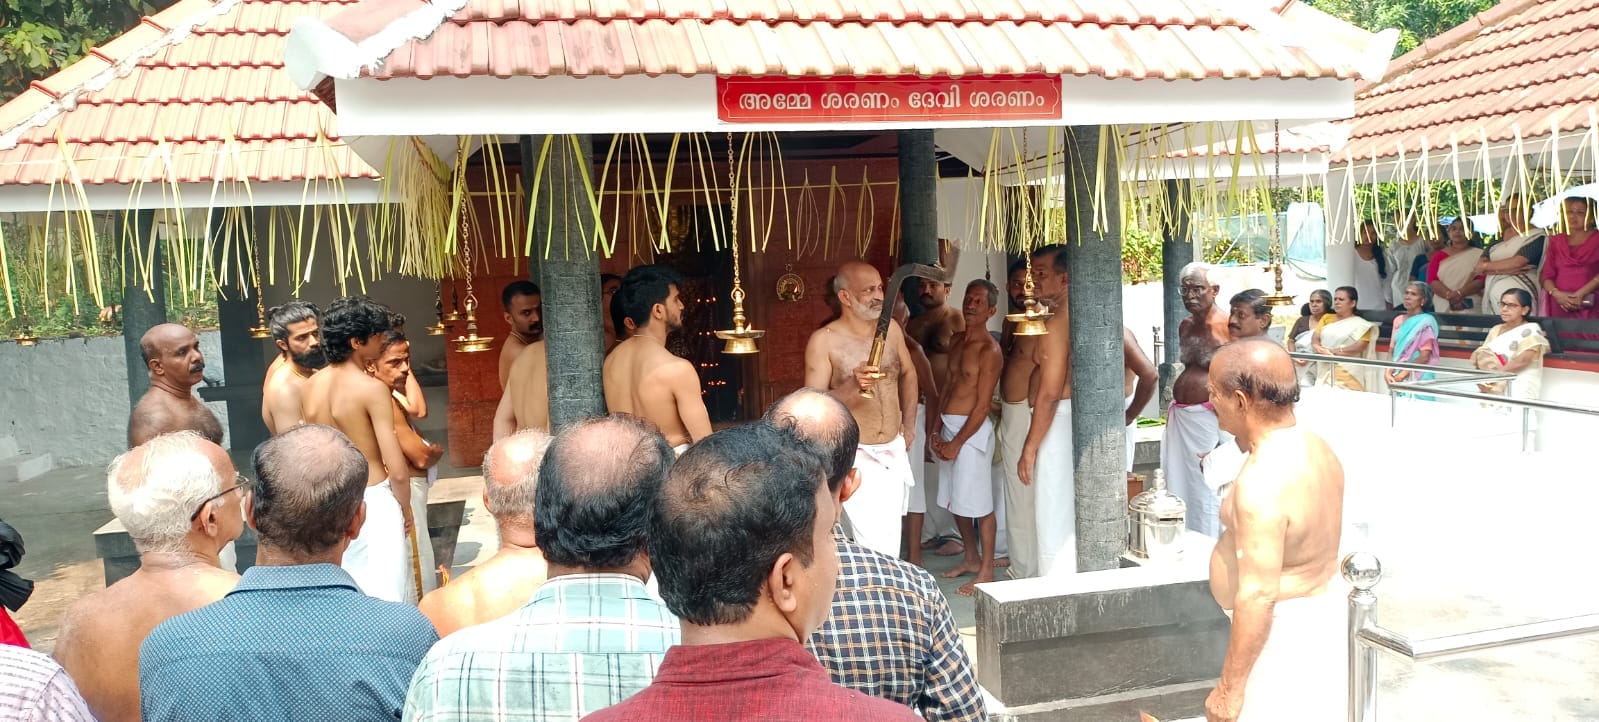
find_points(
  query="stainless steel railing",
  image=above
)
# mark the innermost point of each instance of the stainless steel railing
(1363, 571)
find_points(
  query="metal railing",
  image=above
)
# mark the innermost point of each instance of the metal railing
(1362, 571)
(1437, 387)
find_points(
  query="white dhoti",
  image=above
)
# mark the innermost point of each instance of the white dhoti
(680, 448)
(966, 485)
(875, 510)
(1021, 528)
(1191, 434)
(1055, 496)
(379, 558)
(424, 563)
(924, 495)
(1302, 673)
(1127, 404)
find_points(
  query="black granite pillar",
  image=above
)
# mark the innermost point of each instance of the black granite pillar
(918, 207)
(1177, 250)
(143, 307)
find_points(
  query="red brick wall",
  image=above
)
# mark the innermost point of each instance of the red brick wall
(780, 366)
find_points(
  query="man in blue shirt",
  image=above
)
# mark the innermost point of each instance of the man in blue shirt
(296, 640)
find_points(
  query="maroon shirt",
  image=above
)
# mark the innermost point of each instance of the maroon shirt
(773, 680)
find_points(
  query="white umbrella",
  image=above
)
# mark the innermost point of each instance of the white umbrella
(1546, 214)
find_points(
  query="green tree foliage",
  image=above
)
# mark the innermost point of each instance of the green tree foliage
(39, 37)
(1416, 20)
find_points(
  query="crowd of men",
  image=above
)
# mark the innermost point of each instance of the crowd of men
(650, 569)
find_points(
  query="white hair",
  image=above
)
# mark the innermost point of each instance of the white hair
(1195, 270)
(512, 481)
(155, 497)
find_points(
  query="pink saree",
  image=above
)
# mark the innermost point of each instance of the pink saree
(1570, 267)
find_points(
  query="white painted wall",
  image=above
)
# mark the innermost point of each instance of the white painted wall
(69, 397)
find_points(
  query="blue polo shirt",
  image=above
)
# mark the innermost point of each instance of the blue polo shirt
(288, 643)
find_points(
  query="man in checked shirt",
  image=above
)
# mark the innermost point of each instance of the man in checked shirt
(890, 633)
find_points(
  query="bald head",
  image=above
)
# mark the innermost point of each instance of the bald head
(596, 487)
(859, 288)
(820, 421)
(1261, 370)
(511, 474)
(154, 488)
(310, 482)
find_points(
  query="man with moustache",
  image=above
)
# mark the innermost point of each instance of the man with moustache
(644, 378)
(965, 445)
(1191, 430)
(299, 340)
(172, 353)
(1250, 316)
(1046, 462)
(1017, 383)
(393, 368)
(524, 311)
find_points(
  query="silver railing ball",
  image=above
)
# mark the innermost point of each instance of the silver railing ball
(1362, 570)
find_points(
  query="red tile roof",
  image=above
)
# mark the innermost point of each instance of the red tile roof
(191, 76)
(1133, 39)
(1521, 63)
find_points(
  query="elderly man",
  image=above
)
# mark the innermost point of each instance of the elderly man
(642, 377)
(179, 498)
(965, 446)
(1191, 431)
(836, 361)
(590, 636)
(508, 579)
(299, 341)
(172, 353)
(918, 660)
(742, 538)
(1273, 569)
(296, 639)
(524, 313)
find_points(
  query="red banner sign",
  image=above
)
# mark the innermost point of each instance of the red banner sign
(832, 100)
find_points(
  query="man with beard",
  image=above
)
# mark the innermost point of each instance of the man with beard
(299, 339)
(1191, 430)
(835, 361)
(172, 352)
(642, 377)
(345, 397)
(524, 311)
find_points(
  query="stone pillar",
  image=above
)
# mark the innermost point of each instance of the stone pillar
(142, 308)
(1177, 250)
(918, 206)
(243, 359)
(1095, 299)
(569, 276)
(1342, 219)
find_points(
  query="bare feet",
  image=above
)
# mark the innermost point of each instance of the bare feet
(1002, 562)
(950, 548)
(970, 588)
(969, 566)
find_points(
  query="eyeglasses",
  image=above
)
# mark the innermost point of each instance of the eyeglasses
(239, 482)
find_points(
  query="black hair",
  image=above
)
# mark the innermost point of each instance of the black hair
(352, 318)
(1277, 387)
(1014, 267)
(1376, 248)
(279, 318)
(1057, 254)
(989, 287)
(1304, 310)
(310, 481)
(642, 288)
(596, 487)
(608, 277)
(1350, 291)
(518, 288)
(1522, 297)
(734, 503)
(819, 421)
(1256, 299)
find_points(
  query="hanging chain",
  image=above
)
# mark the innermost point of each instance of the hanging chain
(732, 192)
(1027, 244)
(466, 257)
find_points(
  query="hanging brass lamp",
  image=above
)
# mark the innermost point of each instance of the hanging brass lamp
(261, 330)
(438, 328)
(1277, 299)
(741, 337)
(470, 342)
(1030, 321)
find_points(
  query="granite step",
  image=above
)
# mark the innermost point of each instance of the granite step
(22, 467)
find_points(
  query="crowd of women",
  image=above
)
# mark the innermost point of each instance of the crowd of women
(1527, 272)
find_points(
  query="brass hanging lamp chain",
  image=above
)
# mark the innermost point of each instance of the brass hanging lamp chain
(261, 330)
(1277, 252)
(741, 338)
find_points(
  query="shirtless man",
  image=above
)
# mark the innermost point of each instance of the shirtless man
(172, 353)
(179, 497)
(524, 311)
(525, 404)
(345, 397)
(1018, 383)
(835, 361)
(965, 447)
(917, 506)
(1273, 567)
(1046, 459)
(610, 283)
(642, 377)
(393, 368)
(507, 580)
(295, 331)
(1191, 431)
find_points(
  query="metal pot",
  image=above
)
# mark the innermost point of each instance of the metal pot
(1155, 522)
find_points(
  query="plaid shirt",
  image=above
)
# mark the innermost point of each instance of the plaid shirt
(891, 635)
(583, 643)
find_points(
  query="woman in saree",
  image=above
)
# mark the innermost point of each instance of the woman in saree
(1516, 346)
(1512, 261)
(1415, 339)
(1571, 265)
(1452, 273)
(1346, 334)
(1299, 338)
